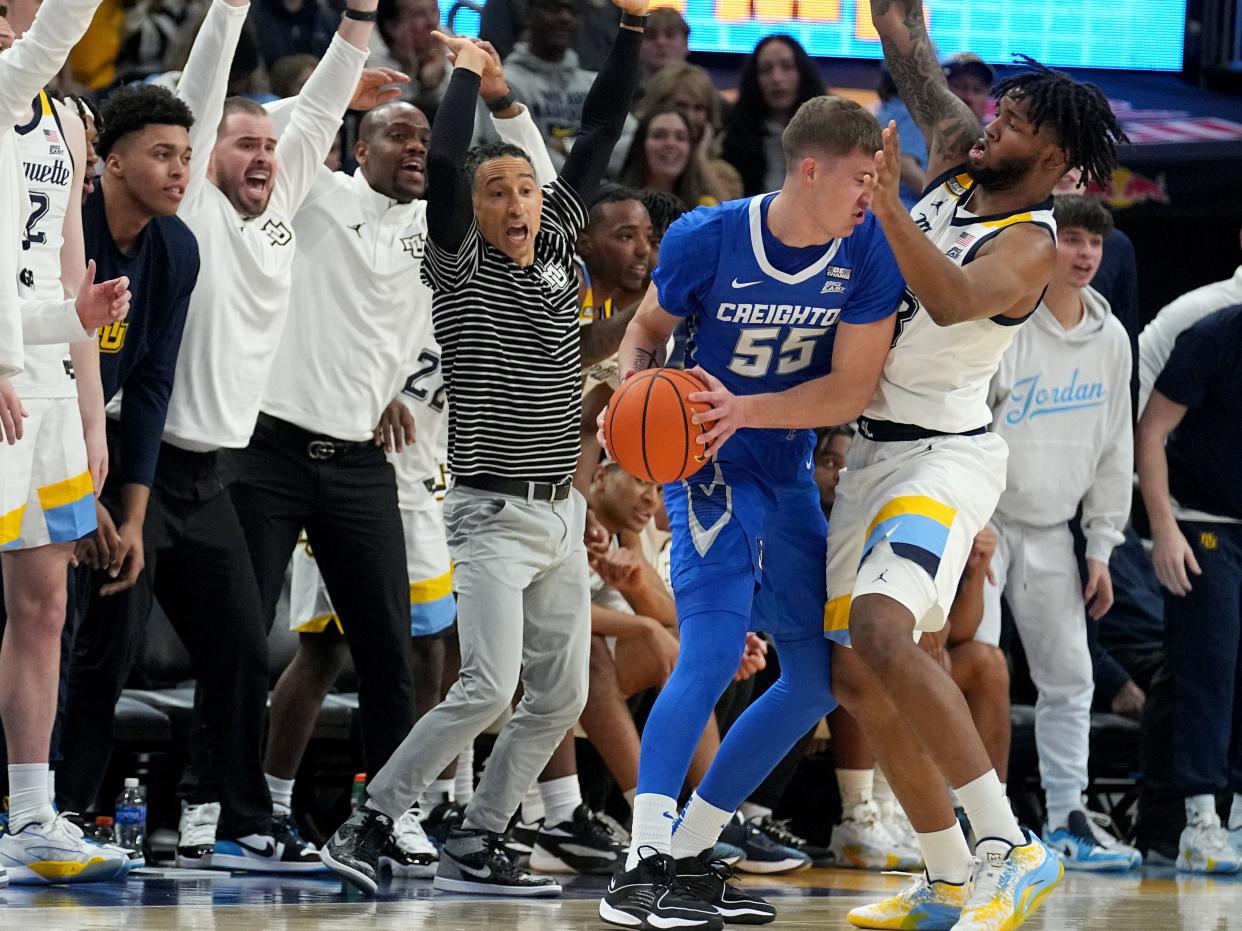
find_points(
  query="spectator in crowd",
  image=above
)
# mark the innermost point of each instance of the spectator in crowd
(663, 209)
(776, 79)
(290, 73)
(663, 158)
(504, 23)
(88, 113)
(406, 45)
(292, 27)
(829, 461)
(970, 78)
(130, 229)
(1189, 442)
(666, 42)
(913, 147)
(1128, 646)
(1159, 336)
(1061, 401)
(150, 29)
(688, 88)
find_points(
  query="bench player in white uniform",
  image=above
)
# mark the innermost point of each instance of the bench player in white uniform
(48, 477)
(924, 476)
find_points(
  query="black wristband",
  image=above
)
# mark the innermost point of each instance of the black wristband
(504, 103)
(362, 16)
(633, 21)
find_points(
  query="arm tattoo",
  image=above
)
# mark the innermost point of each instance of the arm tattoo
(911, 59)
(653, 358)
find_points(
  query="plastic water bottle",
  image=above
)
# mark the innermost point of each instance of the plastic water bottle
(358, 795)
(131, 815)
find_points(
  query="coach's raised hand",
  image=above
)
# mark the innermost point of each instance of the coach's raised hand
(377, 86)
(101, 304)
(464, 53)
(634, 7)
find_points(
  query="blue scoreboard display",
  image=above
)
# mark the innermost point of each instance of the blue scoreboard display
(1138, 34)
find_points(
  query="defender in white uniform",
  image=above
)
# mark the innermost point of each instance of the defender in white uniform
(924, 475)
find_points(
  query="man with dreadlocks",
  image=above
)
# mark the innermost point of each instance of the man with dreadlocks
(924, 474)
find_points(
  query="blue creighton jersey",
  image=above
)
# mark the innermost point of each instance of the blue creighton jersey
(762, 315)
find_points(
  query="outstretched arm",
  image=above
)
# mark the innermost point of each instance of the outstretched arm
(947, 124)
(35, 58)
(605, 108)
(204, 83)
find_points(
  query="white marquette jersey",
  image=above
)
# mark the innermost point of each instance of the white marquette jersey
(30, 63)
(48, 169)
(937, 377)
(422, 473)
(238, 309)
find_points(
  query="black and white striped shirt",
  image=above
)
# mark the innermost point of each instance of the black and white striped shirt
(509, 337)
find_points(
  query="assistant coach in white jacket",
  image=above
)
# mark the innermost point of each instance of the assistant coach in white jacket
(1061, 400)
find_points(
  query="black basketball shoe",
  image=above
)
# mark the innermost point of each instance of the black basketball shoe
(476, 861)
(584, 844)
(354, 851)
(651, 896)
(708, 880)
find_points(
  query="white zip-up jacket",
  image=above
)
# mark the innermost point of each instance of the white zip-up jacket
(1061, 400)
(25, 68)
(238, 310)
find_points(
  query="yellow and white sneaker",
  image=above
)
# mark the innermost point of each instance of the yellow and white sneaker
(1009, 884)
(921, 906)
(861, 841)
(56, 852)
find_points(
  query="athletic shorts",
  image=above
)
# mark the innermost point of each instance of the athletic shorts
(742, 546)
(432, 606)
(46, 493)
(904, 520)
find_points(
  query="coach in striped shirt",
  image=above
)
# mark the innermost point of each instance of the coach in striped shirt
(500, 261)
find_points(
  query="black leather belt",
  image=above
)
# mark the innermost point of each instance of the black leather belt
(884, 431)
(317, 445)
(537, 491)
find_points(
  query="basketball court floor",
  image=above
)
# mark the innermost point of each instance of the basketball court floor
(815, 899)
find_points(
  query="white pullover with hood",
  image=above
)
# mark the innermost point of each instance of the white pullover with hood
(1061, 400)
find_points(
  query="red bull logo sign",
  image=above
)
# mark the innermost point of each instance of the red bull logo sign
(1127, 188)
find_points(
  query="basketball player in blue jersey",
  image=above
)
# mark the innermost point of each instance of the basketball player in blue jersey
(924, 475)
(777, 289)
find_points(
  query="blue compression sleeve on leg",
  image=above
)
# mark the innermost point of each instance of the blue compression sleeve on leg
(711, 649)
(772, 725)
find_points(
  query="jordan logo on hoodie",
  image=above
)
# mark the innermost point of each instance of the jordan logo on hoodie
(1031, 398)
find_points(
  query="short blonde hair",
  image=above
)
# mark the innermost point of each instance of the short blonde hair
(831, 127)
(665, 84)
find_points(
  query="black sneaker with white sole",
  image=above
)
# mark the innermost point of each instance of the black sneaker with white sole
(441, 820)
(651, 897)
(476, 862)
(354, 851)
(584, 844)
(708, 881)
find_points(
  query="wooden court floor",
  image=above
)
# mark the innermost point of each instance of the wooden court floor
(815, 899)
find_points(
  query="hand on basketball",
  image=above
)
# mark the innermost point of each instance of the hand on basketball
(395, 430)
(726, 413)
(885, 183)
(377, 86)
(1098, 594)
(1172, 557)
(12, 413)
(101, 304)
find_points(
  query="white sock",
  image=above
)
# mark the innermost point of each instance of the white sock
(532, 806)
(28, 796)
(281, 791)
(1235, 813)
(631, 793)
(440, 791)
(560, 798)
(751, 810)
(856, 787)
(946, 855)
(653, 826)
(1059, 810)
(699, 827)
(51, 786)
(1200, 809)
(463, 779)
(882, 794)
(989, 811)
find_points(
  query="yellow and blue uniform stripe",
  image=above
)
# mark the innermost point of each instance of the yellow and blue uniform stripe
(432, 606)
(916, 527)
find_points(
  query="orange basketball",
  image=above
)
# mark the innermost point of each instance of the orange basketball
(648, 425)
